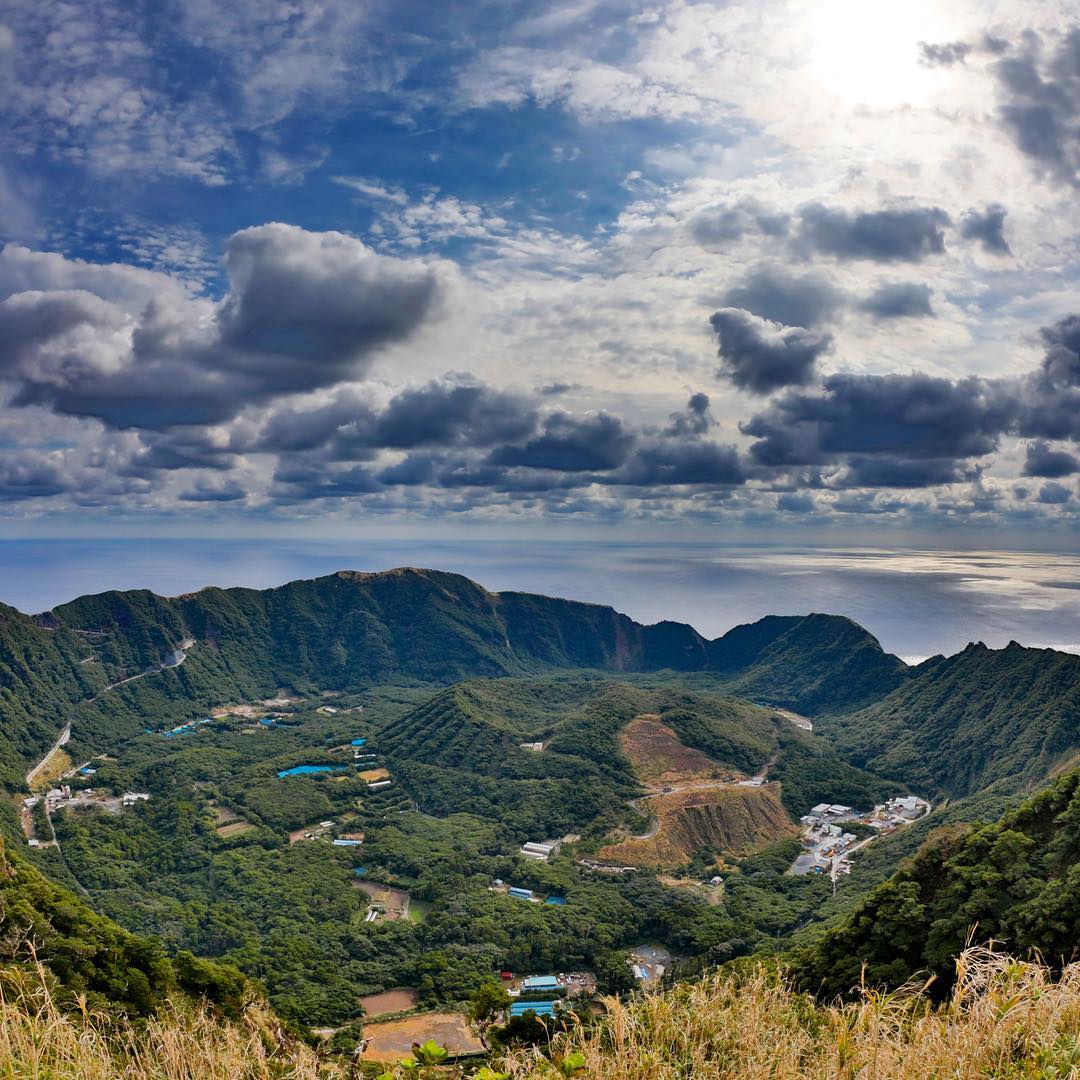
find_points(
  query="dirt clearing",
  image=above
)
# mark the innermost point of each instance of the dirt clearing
(392, 1040)
(659, 757)
(729, 818)
(398, 1000)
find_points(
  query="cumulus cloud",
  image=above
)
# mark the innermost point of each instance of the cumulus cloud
(1050, 396)
(874, 418)
(1041, 459)
(987, 227)
(595, 441)
(761, 356)
(1039, 89)
(670, 462)
(32, 475)
(898, 234)
(303, 311)
(898, 300)
(718, 226)
(775, 294)
(204, 492)
(695, 419)
(1054, 493)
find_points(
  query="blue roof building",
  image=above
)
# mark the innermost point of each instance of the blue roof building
(359, 742)
(541, 1008)
(519, 894)
(347, 843)
(540, 982)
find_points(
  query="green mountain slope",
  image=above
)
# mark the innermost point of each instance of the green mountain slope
(88, 955)
(814, 664)
(351, 629)
(461, 751)
(958, 725)
(42, 675)
(1016, 881)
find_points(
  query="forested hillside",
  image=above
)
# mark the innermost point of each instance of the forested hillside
(959, 724)
(351, 629)
(1016, 881)
(42, 675)
(89, 956)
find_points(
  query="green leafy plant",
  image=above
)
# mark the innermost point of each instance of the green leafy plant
(430, 1053)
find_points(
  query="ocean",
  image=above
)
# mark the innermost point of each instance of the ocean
(917, 602)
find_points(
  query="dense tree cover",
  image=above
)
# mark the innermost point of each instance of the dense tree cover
(90, 956)
(815, 664)
(292, 917)
(811, 771)
(349, 630)
(961, 724)
(41, 677)
(461, 750)
(1016, 881)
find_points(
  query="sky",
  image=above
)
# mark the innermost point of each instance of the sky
(781, 270)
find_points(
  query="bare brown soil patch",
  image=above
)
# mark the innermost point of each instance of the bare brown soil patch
(730, 818)
(390, 1001)
(659, 757)
(373, 775)
(392, 1040)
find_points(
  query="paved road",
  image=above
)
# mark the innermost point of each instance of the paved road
(60, 742)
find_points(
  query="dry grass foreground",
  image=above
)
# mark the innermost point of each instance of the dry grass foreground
(1005, 1019)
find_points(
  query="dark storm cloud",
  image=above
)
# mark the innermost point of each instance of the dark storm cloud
(987, 227)
(761, 357)
(898, 417)
(898, 234)
(300, 482)
(898, 300)
(185, 448)
(943, 54)
(303, 311)
(1043, 460)
(442, 413)
(1040, 92)
(716, 226)
(786, 298)
(569, 443)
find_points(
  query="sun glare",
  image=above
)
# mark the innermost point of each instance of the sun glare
(866, 52)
